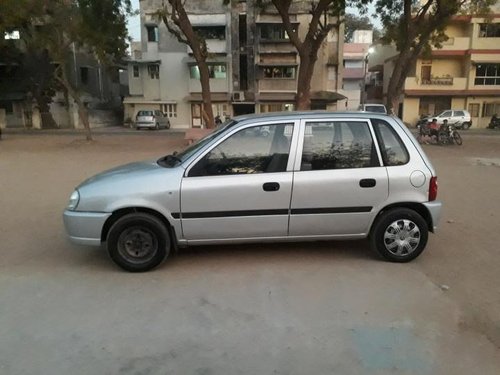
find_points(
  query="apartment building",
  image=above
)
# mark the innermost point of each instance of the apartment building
(463, 74)
(355, 64)
(100, 88)
(253, 65)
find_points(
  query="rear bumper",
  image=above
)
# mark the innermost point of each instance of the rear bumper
(85, 228)
(434, 209)
(145, 124)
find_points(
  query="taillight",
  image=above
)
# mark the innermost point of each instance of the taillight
(433, 189)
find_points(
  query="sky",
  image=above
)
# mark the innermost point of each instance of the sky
(134, 23)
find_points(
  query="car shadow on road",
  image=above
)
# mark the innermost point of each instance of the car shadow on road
(244, 254)
(288, 253)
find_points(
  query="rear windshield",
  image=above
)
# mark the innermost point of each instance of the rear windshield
(145, 113)
(375, 108)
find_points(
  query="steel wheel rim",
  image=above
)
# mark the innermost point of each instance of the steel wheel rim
(402, 237)
(137, 245)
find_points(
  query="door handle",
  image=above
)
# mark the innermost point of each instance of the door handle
(367, 182)
(271, 186)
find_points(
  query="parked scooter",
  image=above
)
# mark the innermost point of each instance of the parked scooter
(494, 122)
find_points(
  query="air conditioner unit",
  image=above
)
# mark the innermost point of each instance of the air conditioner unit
(238, 96)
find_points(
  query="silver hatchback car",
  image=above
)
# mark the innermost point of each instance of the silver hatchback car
(313, 176)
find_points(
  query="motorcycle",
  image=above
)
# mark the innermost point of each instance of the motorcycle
(449, 135)
(494, 122)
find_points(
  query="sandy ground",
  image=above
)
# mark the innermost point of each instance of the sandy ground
(317, 308)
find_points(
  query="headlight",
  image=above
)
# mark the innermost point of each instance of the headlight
(73, 200)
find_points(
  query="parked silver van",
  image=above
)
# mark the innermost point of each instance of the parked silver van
(313, 176)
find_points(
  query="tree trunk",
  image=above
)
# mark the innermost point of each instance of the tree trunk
(187, 35)
(208, 113)
(306, 70)
(48, 121)
(82, 110)
(397, 80)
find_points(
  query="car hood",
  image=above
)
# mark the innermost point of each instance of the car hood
(141, 184)
(123, 171)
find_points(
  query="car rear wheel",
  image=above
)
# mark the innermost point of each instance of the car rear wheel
(399, 235)
(466, 125)
(138, 242)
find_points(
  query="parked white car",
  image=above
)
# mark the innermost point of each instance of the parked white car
(372, 107)
(460, 118)
(151, 119)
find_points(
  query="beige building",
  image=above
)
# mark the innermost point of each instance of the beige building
(355, 66)
(463, 74)
(253, 65)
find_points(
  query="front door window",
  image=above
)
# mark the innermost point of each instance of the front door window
(260, 149)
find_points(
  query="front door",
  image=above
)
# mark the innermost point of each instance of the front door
(241, 188)
(339, 179)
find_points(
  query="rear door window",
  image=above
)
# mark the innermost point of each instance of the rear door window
(391, 146)
(338, 145)
(459, 113)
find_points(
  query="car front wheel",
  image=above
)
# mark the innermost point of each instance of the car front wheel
(399, 235)
(138, 242)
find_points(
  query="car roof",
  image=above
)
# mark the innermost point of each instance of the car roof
(308, 114)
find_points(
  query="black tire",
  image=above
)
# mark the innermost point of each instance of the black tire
(138, 242)
(386, 224)
(442, 138)
(457, 138)
(466, 125)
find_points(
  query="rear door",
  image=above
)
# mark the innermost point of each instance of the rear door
(241, 188)
(339, 179)
(458, 117)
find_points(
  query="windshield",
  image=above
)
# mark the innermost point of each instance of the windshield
(181, 157)
(375, 108)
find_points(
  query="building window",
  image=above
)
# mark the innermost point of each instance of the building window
(217, 71)
(7, 105)
(12, 35)
(154, 71)
(487, 74)
(474, 109)
(170, 110)
(273, 32)
(211, 32)
(152, 33)
(279, 72)
(490, 109)
(278, 107)
(136, 71)
(84, 75)
(489, 30)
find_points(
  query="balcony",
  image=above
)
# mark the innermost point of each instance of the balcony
(214, 46)
(436, 83)
(456, 44)
(276, 46)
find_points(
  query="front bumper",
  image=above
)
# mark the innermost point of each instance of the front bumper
(434, 209)
(85, 228)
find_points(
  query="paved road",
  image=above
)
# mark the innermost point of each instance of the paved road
(309, 308)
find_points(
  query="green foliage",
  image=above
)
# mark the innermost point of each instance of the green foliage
(415, 24)
(354, 22)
